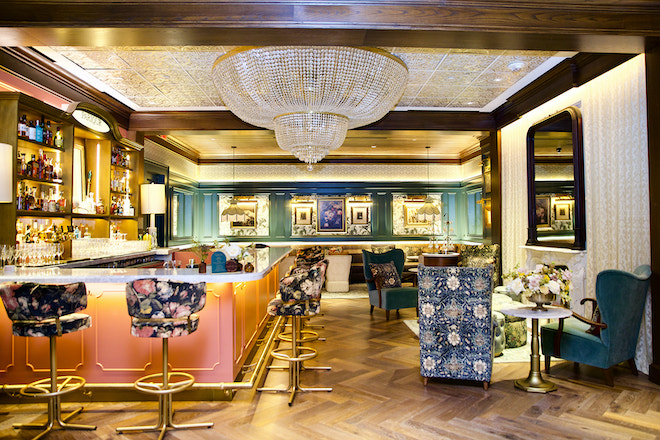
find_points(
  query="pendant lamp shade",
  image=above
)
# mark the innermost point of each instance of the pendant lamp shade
(233, 213)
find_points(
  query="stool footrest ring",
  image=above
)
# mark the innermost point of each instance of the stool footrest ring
(147, 385)
(305, 353)
(42, 388)
(305, 336)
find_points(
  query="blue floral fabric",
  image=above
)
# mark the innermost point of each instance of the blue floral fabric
(164, 309)
(455, 322)
(387, 273)
(35, 308)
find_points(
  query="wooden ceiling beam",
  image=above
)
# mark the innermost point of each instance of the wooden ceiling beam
(596, 26)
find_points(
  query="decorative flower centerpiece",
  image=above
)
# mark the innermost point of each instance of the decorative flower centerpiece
(202, 251)
(542, 284)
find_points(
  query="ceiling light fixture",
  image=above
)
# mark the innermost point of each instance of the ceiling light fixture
(428, 211)
(233, 213)
(310, 95)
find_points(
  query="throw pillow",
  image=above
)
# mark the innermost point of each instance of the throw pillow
(595, 317)
(387, 273)
(376, 249)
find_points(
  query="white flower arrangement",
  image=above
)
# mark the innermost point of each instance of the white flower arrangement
(544, 278)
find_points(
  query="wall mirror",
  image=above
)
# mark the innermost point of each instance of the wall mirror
(555, 181)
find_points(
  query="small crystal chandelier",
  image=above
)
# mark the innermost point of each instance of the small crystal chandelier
(233, 213)
(428, 211)
(310, 95)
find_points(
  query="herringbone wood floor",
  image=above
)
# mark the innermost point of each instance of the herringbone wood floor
(378, 394)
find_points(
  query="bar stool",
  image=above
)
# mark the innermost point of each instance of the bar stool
(299, 297)
(48, 310)
(164, 309)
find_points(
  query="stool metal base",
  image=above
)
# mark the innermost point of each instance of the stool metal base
(53, 388)
(164, 390)
(298, 354)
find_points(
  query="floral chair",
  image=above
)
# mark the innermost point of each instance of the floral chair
(300, 291)
(48, 310)
(455, 323)
(299, 297)
(164, 309)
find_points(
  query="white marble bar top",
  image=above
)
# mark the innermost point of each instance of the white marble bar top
(264, 261)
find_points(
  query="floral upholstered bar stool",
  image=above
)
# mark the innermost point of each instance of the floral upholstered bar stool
(48, 310)
(164, 309)
(299, 297)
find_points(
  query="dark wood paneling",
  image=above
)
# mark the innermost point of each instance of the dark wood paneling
(510, 24)
(40, 70)
(566, 75)
(653, 115)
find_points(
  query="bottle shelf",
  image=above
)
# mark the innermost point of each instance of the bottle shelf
(121, 193)
(37, 144)
(35, 213)
(36, 179)
(123, 217)
(121, 167)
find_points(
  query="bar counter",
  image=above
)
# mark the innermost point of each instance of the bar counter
(106, 353)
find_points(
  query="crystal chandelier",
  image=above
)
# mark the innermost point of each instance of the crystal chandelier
(310, 95)
(233, 213)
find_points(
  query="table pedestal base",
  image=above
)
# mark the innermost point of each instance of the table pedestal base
(535, 384)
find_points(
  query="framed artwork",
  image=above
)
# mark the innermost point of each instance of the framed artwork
(360, 215)
(330, 212)
(250, 208)
(542, 211)
(562, 211)
(303, 215)
(410, 209)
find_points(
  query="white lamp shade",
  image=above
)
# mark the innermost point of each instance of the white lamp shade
(6, 173)
(153, 198)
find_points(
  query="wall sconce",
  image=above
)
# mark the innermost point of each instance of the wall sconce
(153, 202)
(6, 173)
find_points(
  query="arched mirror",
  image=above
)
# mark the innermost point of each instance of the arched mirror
(555, 181)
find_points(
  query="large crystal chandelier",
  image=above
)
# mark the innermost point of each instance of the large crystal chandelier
(310, 95)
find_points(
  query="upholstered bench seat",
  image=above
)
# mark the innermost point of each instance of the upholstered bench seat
(48, 327)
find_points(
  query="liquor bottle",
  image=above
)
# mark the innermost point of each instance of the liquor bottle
(49, 168)
(48, 134)
(40, 162)
(19, 164)
(19, 197)
(32, 131)
(22, 126)
(29, 167)
(39, 131)
(58, 140)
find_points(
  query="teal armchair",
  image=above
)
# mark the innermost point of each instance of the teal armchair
(380, 295)
(620, 300)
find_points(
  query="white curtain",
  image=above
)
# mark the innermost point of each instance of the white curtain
(616, 178)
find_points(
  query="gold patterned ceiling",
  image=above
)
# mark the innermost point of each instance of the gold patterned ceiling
(179, 78)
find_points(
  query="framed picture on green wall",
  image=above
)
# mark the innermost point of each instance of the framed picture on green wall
(331, 214)
(303, 215)
(410, 208)
(250, 209)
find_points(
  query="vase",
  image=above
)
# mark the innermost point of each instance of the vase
(541, 299)
(202, 267)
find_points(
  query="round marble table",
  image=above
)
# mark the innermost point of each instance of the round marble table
(535, 383)
(448, 259)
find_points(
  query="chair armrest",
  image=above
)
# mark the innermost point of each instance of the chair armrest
(584, 300)
(601, 325)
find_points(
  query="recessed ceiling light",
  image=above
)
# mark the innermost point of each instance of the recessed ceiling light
(414, 140)
(497, 80)
(515, 66)
(470, 103)
(373, 146)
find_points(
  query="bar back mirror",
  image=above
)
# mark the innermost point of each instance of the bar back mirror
(555, 181)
